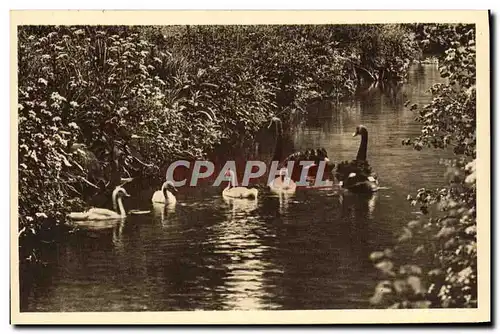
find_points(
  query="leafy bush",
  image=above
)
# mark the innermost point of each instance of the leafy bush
(450, 119)
(381, 52)
(434, 263)
(82, 90)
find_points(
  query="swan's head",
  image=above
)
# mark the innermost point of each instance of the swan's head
(274, 120)
(283, 173)
(277, 121)
(229, 175)
(360, 130)
(169, 185)
(120, 192)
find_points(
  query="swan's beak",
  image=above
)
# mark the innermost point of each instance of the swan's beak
(354, 134)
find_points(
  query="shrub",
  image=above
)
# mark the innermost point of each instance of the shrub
(434, 262)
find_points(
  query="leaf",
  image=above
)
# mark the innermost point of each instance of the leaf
(419, 249)
(445, 232)
(410, 269)
(388, 253)
(434, 272)
(416, 284)
(375, 256)
(381, 290)
(413, 224)
(66, 162)
(406, 235)
(401, 286)
(395, 306)
(386, 267)
(421, 304)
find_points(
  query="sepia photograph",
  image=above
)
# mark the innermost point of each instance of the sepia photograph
(260, 167)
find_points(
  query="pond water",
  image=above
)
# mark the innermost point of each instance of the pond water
(306, 251)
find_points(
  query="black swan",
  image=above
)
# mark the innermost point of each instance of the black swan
(356, 175)
(315, 155)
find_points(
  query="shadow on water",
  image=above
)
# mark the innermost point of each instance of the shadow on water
(308, 250)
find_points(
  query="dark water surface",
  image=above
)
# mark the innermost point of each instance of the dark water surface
(307, 251)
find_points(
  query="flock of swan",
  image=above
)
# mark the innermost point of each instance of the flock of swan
(353, 176)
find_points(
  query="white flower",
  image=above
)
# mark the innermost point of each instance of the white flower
(43, 81)
(56, 96)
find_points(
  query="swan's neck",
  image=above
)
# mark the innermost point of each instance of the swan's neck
(115, 202)
(278, 150)
(121, 208)
(363, 146)
(169, 197)
(231, 183)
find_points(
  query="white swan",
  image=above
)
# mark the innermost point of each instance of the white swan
(232, 191)
(165, 195)
(104, 214)
(283, 183)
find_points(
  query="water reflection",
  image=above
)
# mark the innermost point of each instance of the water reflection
(117, 237)
(358, 206)
(162, 212)
(240, 206)
(237, 239)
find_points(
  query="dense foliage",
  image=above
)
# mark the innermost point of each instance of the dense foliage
(450, 119)
(98, 103)
(434, 263)
(380, 51)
